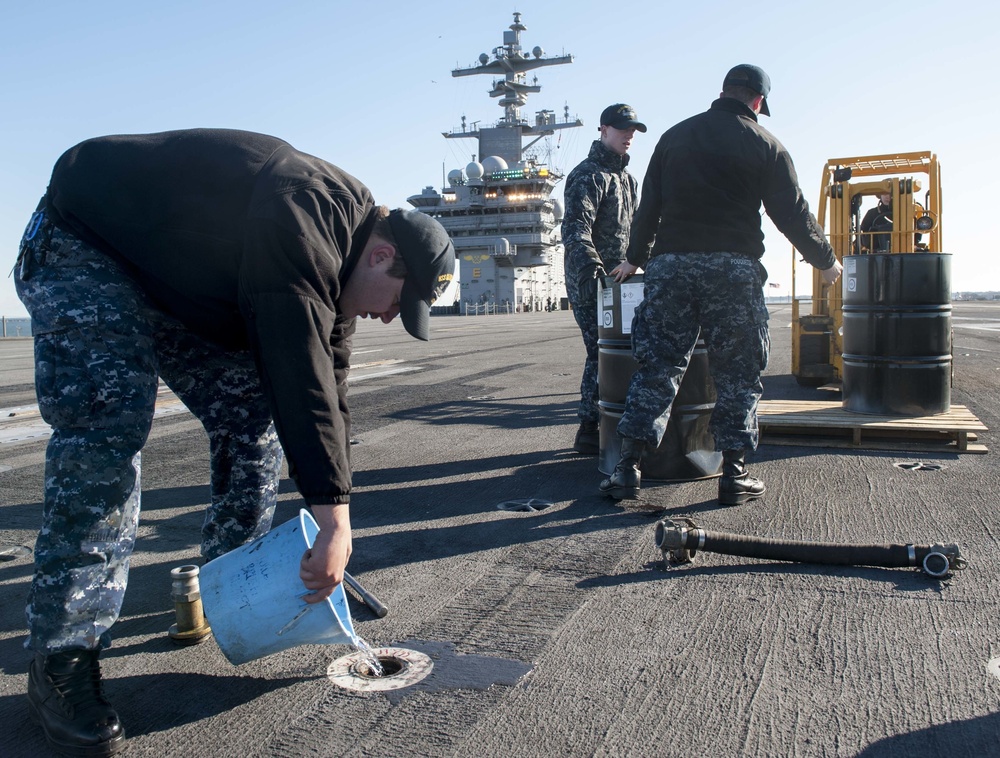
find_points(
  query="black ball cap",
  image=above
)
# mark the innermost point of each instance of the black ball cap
(621, 116)
(429, 256)
(753, 78)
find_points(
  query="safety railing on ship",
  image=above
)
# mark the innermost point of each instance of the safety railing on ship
(488, 309)
(15, 327)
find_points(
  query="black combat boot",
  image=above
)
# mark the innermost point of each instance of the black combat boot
(66, 696)
(588, 440)
(736, 485)
(623, 484)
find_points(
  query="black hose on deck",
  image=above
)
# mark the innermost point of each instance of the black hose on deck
(680, 540)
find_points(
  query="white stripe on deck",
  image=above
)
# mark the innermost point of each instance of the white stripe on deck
(13, 430)
(352, 379)
(35, 430)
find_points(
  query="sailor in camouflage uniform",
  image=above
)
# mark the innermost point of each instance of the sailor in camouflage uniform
(234, 267)
(701, 199)
(600, 198)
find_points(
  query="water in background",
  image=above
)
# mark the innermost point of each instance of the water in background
(15, 327)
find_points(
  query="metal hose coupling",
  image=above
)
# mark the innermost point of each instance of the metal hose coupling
(681, 539)
(192, 626)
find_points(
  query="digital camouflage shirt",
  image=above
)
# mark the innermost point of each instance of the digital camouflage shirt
(600, 199)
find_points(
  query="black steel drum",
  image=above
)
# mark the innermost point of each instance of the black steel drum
(687, 451)
(897, 334)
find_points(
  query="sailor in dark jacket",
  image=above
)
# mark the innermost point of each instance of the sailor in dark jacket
(600, 199)
(876, 227)
(697, 234)
(233, 266)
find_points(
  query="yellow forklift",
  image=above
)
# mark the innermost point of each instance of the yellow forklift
(817, 344)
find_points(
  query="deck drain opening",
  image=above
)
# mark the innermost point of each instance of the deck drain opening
(402, 668)
(530, 505)
(391, 666)
(13, 552)
(919, 466)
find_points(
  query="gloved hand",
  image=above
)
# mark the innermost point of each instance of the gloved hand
(589, 283)
(830, 275)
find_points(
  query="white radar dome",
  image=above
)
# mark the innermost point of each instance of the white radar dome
(557, 209)
(493, 163)
(455, 176)
(474, 170)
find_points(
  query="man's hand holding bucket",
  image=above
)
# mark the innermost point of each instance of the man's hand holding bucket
(322, 567)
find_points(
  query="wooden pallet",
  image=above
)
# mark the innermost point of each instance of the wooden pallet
(825, 423)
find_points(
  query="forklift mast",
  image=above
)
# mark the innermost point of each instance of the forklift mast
(816, 336)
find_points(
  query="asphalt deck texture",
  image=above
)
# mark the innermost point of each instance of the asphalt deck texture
(557, 632)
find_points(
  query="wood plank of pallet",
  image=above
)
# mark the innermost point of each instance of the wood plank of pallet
(821, 424)
(797, 420)
(877, 444)
(831, 414)
(851, 434)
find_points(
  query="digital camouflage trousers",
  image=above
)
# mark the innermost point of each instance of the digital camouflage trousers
(722, 295)
(100, 347)
(584, 302)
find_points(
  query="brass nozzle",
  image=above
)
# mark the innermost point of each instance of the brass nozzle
(191, 627)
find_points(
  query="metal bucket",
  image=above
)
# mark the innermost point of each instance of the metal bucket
(897, 334)
(687, 450)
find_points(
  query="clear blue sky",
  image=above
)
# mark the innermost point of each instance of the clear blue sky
(367, 86)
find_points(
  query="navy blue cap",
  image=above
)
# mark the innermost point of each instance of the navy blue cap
(430, 266)
(753, 78)
(621, 116)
